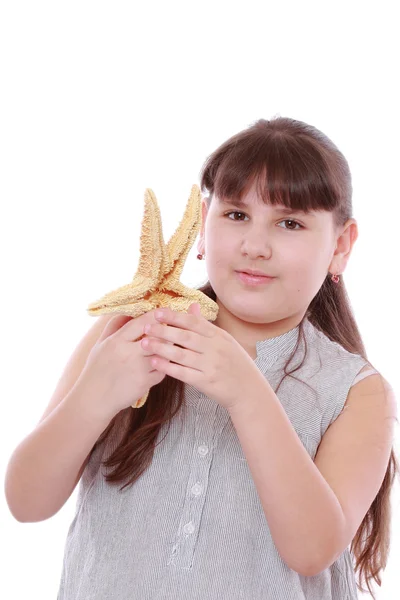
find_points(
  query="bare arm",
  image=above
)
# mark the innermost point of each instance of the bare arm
(43, 469)
(314, 508)
(303, 514)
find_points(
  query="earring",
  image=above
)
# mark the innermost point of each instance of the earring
(200, 256)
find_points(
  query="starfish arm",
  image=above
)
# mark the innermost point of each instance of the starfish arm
(181, 298)
(153, 252)
(182, 240)
(124, 300)
(151, 262)
(131, 309)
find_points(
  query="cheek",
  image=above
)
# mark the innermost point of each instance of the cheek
(298, 270)
(301, 256)
(303, 273)
(221, 247)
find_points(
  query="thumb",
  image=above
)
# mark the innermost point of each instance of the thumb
(114, 323)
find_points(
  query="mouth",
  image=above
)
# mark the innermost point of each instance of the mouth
(253, 279)
(256, 273)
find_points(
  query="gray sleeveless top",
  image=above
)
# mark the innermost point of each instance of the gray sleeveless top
(193, 527)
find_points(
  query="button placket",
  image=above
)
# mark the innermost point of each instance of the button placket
(209, 422)
(202, 450)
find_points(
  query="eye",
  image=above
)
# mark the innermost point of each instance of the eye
(292, 221)
(235, 212)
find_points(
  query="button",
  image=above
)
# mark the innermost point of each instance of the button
(203, 450)
(189, 527)
(197, 489)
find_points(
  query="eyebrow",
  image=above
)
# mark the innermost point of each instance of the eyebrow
(282, 210)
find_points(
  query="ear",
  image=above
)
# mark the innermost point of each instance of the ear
(345, 241)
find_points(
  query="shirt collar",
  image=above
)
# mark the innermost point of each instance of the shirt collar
(269, 350)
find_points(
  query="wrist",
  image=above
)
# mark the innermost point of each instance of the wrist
(250, 402)
(90, 403)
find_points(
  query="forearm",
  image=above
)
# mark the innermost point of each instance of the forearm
(303, 514)
(43, 469)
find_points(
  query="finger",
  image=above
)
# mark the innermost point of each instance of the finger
(148, 350)
(114, 325)
(185, 374)
(130, 328)
(188, 321)
(180, 337)
(194, 309)
(170, 352)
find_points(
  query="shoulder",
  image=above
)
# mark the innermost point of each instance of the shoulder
(342, 364)
(340, 361)
(373, 390)
(335, 363)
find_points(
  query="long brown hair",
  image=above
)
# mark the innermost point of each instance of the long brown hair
(296, 165)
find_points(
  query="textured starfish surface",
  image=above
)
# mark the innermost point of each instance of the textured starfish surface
(156, 282)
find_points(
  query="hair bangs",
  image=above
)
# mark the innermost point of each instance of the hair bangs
(288, 169)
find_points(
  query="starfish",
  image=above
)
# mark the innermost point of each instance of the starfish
(156, 282)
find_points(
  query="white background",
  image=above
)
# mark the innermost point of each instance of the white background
(100, 100)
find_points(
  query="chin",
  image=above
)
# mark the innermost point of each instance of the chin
(245, 311)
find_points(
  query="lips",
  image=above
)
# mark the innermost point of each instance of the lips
(256, 273)
(254, 280)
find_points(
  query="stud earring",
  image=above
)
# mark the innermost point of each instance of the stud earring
(335, 278)
(200, 256)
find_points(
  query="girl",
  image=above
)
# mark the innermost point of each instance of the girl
(262, 462)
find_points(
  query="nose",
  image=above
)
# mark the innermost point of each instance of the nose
(256, 244)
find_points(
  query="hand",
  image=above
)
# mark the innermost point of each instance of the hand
(116, 373)
(207, 356)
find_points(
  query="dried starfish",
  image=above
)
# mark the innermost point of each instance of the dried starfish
(156, 282)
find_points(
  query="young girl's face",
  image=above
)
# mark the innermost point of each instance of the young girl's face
(296, 249)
